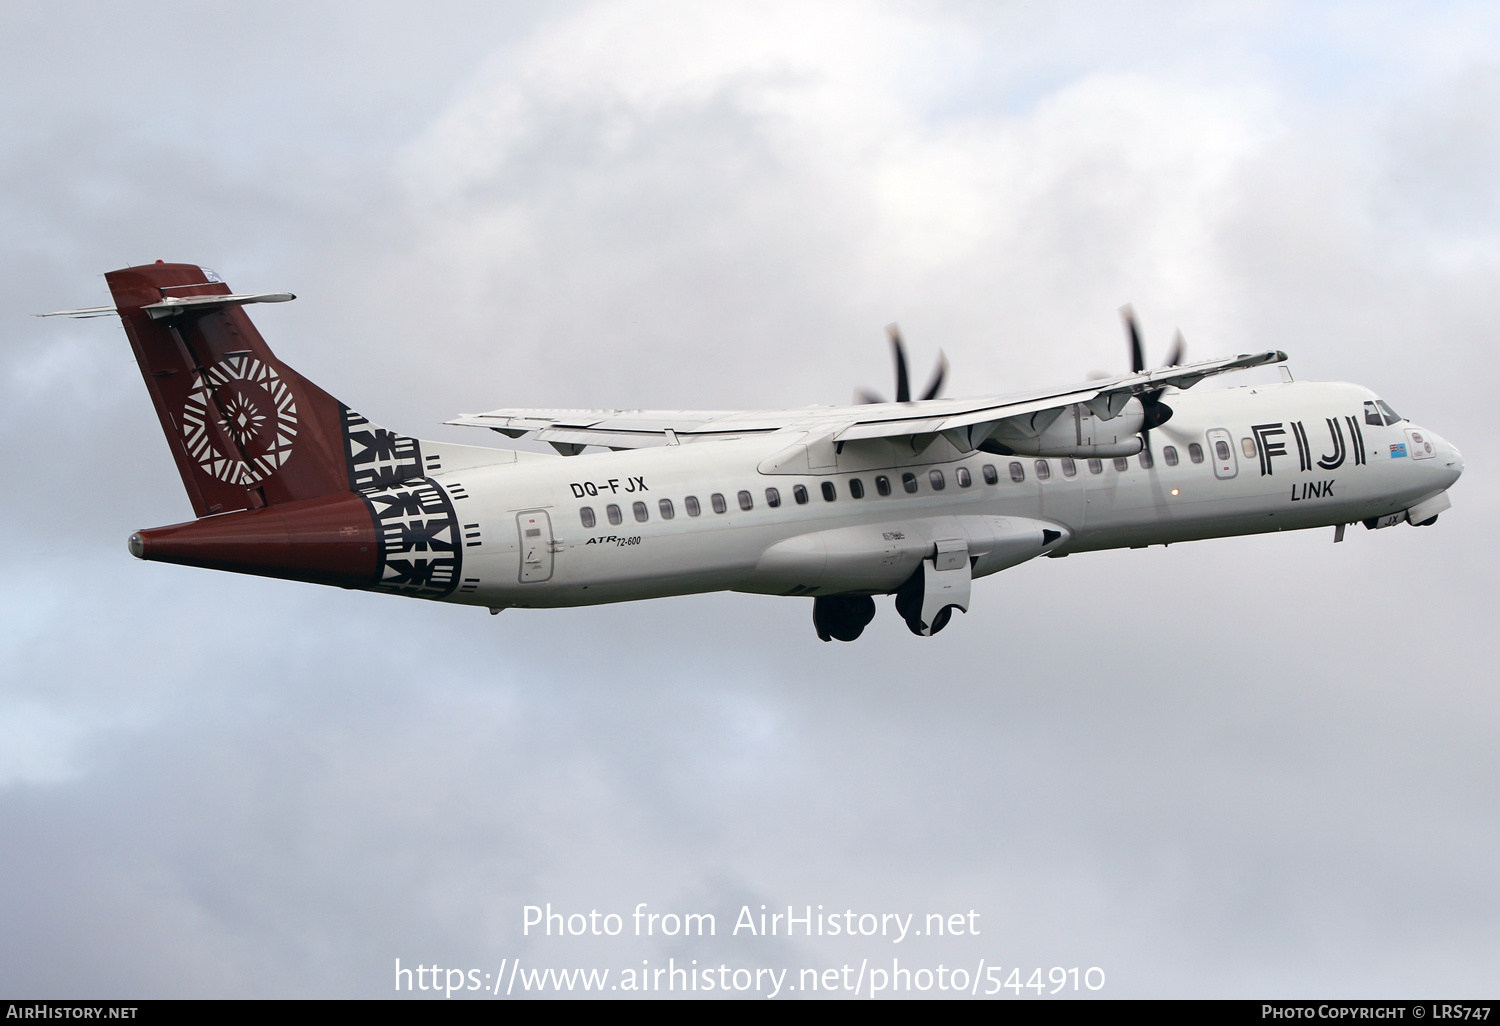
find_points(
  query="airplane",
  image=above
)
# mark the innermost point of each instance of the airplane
(839, 504)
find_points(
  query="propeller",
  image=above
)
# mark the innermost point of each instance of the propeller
(1157, 412)
(903, 381)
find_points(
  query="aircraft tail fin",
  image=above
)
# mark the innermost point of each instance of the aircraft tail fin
(245, 429)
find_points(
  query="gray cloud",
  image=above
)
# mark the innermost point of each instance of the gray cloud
(1243, 767)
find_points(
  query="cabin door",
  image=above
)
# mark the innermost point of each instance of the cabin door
(535, 527)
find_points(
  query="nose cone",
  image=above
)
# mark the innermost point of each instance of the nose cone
(1449, 456)
(1449, 463)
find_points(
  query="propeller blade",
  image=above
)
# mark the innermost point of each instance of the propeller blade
(939, 373)
(1157, 412)
(1137, 354)
(1179, 347)
(903, 384)
(864, 397)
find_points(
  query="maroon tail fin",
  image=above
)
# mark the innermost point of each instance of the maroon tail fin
(245, 429)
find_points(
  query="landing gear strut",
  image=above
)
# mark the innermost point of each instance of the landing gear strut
(842, 616)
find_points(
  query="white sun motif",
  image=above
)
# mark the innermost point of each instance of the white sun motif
(252, 407)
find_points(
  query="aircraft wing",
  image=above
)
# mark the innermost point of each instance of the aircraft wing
(570, 430)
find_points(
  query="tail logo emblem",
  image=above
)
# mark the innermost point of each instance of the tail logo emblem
(239, 421)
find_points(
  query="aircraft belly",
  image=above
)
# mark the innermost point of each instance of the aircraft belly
(876, 558)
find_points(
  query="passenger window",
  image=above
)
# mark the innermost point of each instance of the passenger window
(829, 492)
(964, 480)
(773, 497)
(909, 482)
(1391, 416)
(799, 493)
(586, 514)
(717, 501)
(1043, 470)
(856, 488)
(667, 512)
(1017, 473)
(613, 512)
(641, 512)
(1069, 468)
(1096, 466)
(1221, 450)
(1247, 446)
(1146, 461)
(691, 505)
(1372, 416)
(883, 485)
(991, 475)
(746, 502)
(1122, 464)
(1195, 452)
(936, 477)
(1170, 455)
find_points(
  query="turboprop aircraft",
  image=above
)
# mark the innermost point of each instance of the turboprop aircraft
(839, 504)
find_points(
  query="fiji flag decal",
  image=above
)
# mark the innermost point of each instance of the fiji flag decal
(1398, 450)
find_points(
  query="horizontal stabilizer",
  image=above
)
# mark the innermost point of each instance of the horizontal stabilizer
(88, 311)
(173, 306)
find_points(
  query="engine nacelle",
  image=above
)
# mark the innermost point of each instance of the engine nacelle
(1074, 431)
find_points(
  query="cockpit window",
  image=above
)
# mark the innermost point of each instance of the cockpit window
(1391, 416)
(1372, 415)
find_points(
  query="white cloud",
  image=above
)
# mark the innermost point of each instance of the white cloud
(1236, 757)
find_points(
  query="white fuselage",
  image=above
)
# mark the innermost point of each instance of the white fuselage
(1300, 455)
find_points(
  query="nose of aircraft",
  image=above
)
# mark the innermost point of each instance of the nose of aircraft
(1449, 462)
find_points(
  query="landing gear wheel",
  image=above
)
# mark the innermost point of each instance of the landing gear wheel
(909, 601)
(938, 622)
(941, 620)
(842, 616)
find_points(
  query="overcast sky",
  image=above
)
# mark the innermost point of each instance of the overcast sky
(1249, 767)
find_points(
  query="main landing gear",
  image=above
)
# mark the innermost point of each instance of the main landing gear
(926, 601)
(844, 617)
(928, 598)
